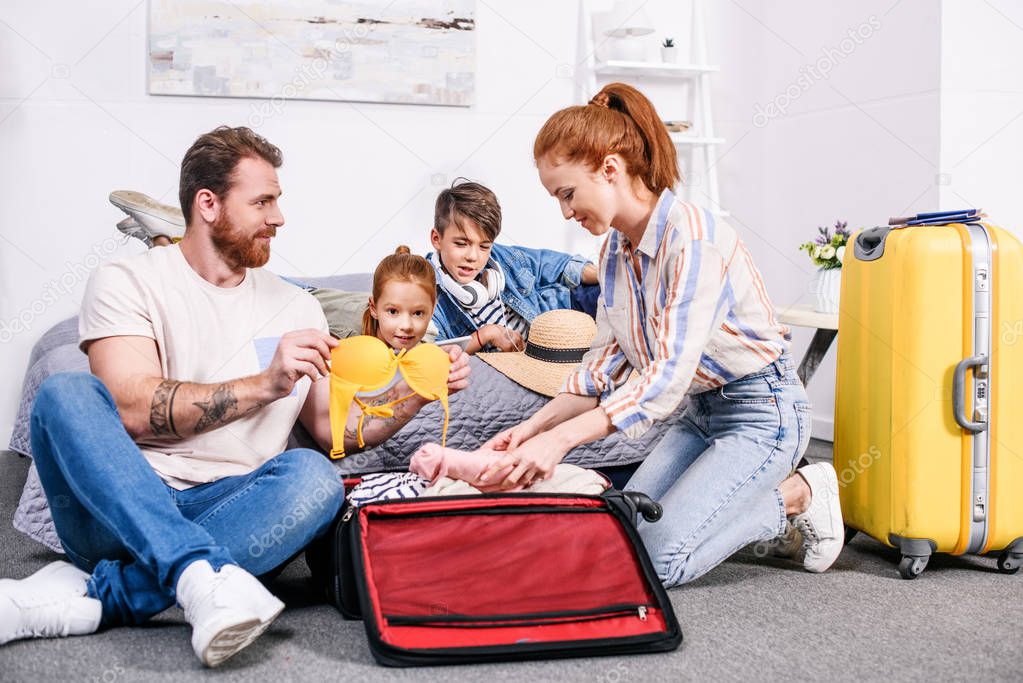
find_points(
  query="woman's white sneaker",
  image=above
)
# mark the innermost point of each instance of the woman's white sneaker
(821, 524)
(228, 609)
(789, 545)
(51, 603)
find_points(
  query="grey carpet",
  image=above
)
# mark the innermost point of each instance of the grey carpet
(750, 618)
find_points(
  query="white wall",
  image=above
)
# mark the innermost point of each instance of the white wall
(870, 140)
(982, 108)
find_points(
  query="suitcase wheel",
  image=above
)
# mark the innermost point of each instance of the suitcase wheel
(850, 534)
(1007, 563)
(912, 566)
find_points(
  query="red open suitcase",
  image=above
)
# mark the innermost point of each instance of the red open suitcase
(496, 577)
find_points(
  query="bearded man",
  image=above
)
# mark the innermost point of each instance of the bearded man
(165, 468)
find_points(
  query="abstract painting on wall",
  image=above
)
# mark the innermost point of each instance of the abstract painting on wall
(400, 51)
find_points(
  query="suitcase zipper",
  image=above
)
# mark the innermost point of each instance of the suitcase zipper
(461, 512)
(520, 620)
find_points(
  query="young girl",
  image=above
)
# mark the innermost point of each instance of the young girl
(684, 306)
(400, 307)
(402, 301)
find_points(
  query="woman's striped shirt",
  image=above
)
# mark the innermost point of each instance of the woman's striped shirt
(686, 308)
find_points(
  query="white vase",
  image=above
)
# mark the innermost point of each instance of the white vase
(826, 286)
(669, 55)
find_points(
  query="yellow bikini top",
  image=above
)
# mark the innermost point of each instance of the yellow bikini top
(364, 363)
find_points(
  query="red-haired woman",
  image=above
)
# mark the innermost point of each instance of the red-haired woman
(684, 306)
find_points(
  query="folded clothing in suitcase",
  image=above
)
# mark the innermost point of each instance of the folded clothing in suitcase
(501, 577)
(927, 443)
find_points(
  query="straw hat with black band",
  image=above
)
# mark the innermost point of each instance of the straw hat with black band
(556, 343)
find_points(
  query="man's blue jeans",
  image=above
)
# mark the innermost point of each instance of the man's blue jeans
(717, 473)
(117, 519)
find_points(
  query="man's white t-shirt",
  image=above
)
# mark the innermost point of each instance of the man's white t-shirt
(205, 334)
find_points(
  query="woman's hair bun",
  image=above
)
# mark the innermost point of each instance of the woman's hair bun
(402, 249)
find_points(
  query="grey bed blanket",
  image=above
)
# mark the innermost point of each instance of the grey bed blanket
(491, 403)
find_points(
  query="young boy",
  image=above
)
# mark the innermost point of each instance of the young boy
(492, 292)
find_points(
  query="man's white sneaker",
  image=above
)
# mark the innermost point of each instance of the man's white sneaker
(149, 218)
(821, 525)
(131, 228)
(228, 609)
(51, 603)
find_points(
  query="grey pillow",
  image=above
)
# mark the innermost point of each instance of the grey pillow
(344, 310)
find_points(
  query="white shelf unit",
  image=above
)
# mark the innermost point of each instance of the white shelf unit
(652, 69)
(692, 139)
(694, 83)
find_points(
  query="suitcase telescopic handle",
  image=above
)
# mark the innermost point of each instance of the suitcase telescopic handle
(644, 505)
(959, 397)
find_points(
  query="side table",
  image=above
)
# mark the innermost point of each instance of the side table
(826, 326)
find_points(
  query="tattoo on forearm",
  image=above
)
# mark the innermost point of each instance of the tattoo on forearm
(402, 412)
(161, 421)
(391, 395)
(218, 409)
(351, 441)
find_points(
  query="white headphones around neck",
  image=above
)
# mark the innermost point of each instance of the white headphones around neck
(474, 295)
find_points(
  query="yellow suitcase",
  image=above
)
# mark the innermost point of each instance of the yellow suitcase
(929, 403)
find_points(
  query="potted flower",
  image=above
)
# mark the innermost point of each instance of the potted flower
(669, 52)
(827, 252)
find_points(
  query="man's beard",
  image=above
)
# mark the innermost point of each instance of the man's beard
(237, 249)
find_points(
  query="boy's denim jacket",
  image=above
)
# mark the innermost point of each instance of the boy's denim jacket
(536, 281)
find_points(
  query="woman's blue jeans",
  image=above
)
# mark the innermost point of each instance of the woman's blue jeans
(117, 519)
(717, 473)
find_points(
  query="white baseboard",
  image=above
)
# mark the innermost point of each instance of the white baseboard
(823, 428)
